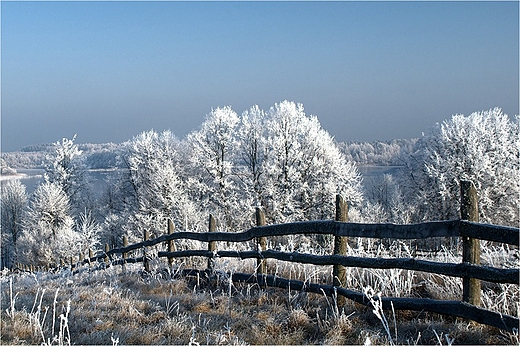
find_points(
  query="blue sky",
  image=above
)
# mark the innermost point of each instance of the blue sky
(107, 71)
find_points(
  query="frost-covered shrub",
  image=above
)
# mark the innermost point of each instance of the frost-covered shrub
(48, 235)
(88, 232)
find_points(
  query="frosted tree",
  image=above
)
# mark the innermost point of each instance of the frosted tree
(212, 153)
(252, 151)
(156, 174)
(66, 168)
(88, 232)
(325, 173)
(387, 193)
(304, 169)
(282, 165)
(48, 235)
(13, 203)
(482, 147)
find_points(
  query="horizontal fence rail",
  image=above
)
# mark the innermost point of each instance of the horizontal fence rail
(499, 234)
(454, 228)
(485, 273)
(446, 307)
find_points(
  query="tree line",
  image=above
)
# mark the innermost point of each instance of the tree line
(281, 160)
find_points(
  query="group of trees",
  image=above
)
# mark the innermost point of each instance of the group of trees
(280, 160)
(50, 225)
(378, 153)
(103, 155)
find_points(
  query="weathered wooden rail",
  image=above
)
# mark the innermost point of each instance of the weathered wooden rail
(453, 228)
(445, 307)
(470, 270)
(490, 274)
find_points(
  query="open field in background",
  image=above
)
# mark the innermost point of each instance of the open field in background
(134, 307)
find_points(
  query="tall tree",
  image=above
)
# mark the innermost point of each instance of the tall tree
(482, 147)
(304, 168)
(285, 158)
(156, 173)
(66, 168)
(252, 151)
(326, 173)
(212, 154)
(13, 203)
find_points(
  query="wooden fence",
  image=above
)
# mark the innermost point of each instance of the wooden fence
(470, 270)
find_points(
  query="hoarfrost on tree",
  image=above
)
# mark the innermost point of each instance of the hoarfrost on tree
(157, 175)
(13, 204)
(65, 167)
(482, 147)
(304, 168)
(48, 235)
(213, 150)
(252, 151)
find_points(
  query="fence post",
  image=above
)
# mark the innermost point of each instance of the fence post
(90, 255)
(261, 242)
(211, 245)
(107, 248)
(340, 248)
(171, 243)
(125, 254)
(470, 246)
(145, 258)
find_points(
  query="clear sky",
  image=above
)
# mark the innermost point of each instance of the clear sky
(107, 71)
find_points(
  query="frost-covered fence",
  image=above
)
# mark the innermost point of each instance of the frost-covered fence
(454, 228)
(466, 228)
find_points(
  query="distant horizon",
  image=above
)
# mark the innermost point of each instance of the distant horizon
(80, 142)
(77, 141)
(370, 71)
